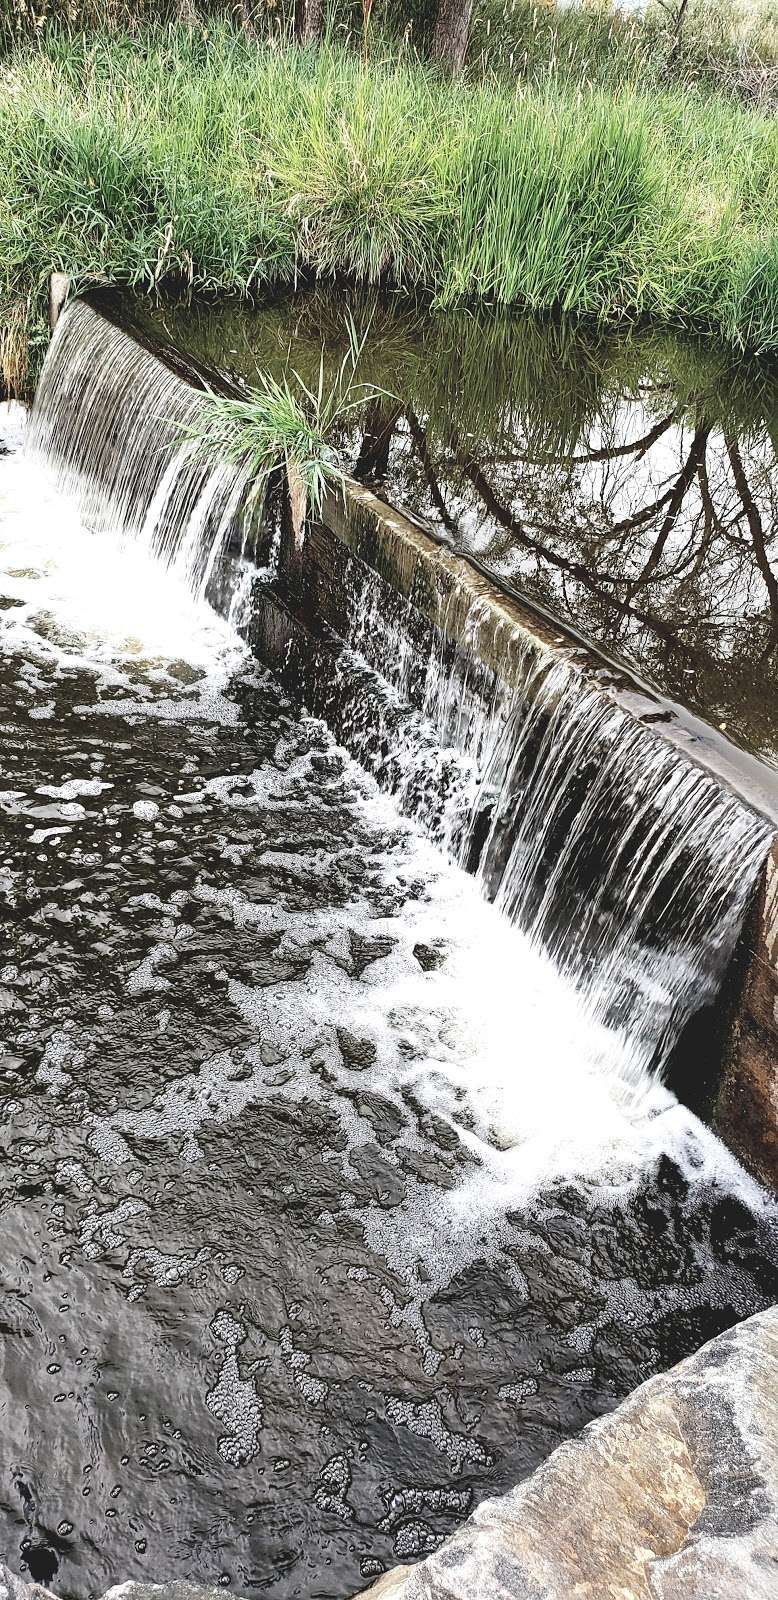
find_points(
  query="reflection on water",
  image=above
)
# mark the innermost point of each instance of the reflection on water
(627, 483)
(319, 1219)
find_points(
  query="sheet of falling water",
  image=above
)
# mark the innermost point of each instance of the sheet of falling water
(319, 1219)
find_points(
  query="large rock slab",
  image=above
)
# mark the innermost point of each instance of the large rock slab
(674, 1496)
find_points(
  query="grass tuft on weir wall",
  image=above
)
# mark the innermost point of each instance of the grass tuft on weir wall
(227, 165)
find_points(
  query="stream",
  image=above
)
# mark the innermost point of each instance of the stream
(326, 1209)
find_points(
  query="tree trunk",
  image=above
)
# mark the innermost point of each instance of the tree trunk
(678, 31)
(373, 461)
(452, 32)
(308, 21)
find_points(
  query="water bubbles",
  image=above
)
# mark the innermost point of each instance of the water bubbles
(233, 1400)
(145, 810)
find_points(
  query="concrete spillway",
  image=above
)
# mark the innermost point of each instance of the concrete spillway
(623, 836)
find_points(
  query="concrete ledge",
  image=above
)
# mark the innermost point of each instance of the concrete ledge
(59, 289)
(490, 621)
(745, 1112)
(674, 1496)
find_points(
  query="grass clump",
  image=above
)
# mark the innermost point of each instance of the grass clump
(550, 202)
(178, 156)
(283, 421)
(359, 168)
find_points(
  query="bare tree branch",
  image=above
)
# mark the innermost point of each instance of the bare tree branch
(756, 530)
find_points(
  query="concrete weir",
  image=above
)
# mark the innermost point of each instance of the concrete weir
(444, 603)
(745, 1109)
(623, 833)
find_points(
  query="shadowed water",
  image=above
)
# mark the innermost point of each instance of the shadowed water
(320, 1219)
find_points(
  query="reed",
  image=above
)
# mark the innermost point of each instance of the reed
(14, 343)
(178, 157)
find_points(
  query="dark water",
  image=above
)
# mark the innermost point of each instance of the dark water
(627, 483)
(282, 1299)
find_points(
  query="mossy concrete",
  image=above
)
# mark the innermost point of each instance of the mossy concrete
(746, 1106)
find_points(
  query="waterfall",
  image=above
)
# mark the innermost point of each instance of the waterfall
(628, 862)
(625, 860)
(112, 421)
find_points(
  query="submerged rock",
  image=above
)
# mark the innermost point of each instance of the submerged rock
(674, 1496)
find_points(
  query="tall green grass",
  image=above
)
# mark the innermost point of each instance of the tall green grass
(284, 420)
(223, 165)
(724, 46)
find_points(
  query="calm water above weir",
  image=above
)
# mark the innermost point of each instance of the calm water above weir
(326, 1210)
(626, 483)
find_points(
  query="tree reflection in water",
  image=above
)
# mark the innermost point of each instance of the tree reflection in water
(626, 482)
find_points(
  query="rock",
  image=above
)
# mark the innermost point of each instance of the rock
(176, 1590)
(428, 957)
(358, 1054)
(13, 1588)
(674, 1496)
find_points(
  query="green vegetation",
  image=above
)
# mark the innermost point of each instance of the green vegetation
(720, 47)
(717, 44)
(211, 160)
(487, 378)
(284, 420)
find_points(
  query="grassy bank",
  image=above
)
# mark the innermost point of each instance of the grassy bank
(227, 165)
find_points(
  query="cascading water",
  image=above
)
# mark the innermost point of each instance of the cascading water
(628, 863)
(113, 424)
(321, 1219)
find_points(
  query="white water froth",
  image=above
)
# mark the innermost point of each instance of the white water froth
(111, 599)
(628, 864)
(496, 1043)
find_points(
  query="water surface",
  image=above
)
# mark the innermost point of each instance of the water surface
(321, 1216)
(628, 483)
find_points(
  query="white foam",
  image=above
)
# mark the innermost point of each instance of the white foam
(494, 1044)
(116, 598)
